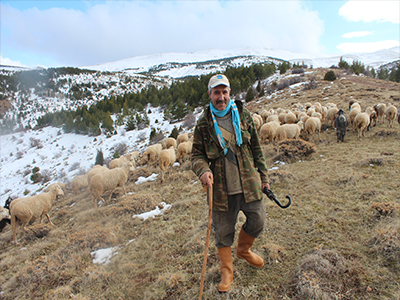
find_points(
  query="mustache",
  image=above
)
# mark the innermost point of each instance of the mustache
(221, 101)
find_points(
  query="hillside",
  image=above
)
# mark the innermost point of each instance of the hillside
(338, 240)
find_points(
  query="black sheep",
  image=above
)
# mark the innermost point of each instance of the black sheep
(341, 124)
(6, 221)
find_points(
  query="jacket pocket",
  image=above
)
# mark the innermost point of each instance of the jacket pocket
(212, 150)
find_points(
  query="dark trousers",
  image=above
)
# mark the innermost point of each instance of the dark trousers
(224, 221)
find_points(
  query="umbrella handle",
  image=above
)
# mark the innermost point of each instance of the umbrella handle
(271, 196)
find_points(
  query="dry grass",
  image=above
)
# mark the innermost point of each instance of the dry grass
(338, 240)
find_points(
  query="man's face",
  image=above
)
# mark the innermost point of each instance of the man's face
(220, 96)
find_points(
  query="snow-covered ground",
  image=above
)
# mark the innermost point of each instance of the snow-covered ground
(64, 155)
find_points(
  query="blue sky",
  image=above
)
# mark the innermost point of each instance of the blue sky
(78, 33)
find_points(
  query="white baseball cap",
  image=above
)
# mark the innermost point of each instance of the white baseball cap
(217, 80)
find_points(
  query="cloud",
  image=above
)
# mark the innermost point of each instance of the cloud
(368, 11)
(367, 47)
(356, 34)
(4, 61)
(120, 29)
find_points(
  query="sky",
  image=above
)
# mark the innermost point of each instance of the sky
(83, 33)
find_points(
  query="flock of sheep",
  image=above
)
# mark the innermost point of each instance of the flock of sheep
(99, 179)
(273, 125)
(281, 124)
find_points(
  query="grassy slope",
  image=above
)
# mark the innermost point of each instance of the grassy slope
(330, 244)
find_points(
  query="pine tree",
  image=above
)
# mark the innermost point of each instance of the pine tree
(99, 158)
(250, 94)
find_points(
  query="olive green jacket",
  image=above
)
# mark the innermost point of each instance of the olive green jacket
(207, 155)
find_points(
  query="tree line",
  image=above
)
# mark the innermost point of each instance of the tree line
(178, 100)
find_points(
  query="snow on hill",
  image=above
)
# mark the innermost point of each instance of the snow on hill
(189, 62)
(61, 156)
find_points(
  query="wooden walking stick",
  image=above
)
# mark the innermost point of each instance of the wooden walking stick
(203, 271)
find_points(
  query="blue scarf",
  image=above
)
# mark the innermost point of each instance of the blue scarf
(236, 122)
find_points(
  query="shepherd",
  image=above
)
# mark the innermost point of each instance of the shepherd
(227, 157)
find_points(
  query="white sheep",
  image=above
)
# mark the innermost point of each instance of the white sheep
(109, 180)
(63, 186)
(96, 169)
(78, 183)
(118, 162)
(135, 155)
(183, 137)
(272, 118)
(331, 115)
(391, 114)
(354, 111)
(380, 109)
(289, 131)
(30, 208)
(290, 118)
(265, 114)
(281, 117)
(361, 122)
(311, 126)
(268, 131)
(167, 159)
(184, 149)
(152, 152)
(258, 121)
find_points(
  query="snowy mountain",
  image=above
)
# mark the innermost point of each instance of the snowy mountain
(178, 65)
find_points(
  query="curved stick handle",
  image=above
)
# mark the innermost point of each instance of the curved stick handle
(271, 196)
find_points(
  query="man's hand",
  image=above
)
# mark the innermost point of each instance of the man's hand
(207, 179)
(263, 185)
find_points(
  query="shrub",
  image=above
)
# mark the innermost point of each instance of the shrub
(330, 76)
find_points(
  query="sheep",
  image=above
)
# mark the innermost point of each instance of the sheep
(268, 131)
(183, 137)
(355, 105)
(272, 118)
(135, 155)
(318, 107)
(118, 162)
(167, 159)
(5, 218)
(30, 208)
(311, 126)
(380, 109)
(265, 114)
(317, 115)
(289, 131)
(391, 113)
(281, 117)
(372, 116)
(331, 115)
(170, 142)
(354, 111)
(341, 124)
(152, 152)
(109, 180)
(184, 149)
(96, 169)
(63, 186)
(78, 183)
(258, 121)
(361, 122)
(290, 118)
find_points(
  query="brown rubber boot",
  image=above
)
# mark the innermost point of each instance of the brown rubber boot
(243, 250)
(225, 258)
